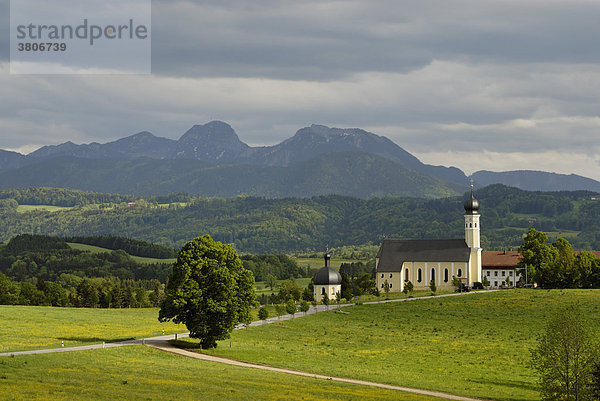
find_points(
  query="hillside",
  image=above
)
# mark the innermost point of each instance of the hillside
(356, 174)
(536, 180)
(283, 225)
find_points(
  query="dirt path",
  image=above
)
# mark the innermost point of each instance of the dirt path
(163, 345)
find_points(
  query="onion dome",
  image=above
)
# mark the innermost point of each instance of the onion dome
(327, 276)
(471, 204)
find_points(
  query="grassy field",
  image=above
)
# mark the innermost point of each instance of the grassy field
(261, 287)
(97, 249)
(35, 327)
(475, 345)
(141, 373)
(47, 208)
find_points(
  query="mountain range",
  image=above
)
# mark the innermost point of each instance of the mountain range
(211, 160)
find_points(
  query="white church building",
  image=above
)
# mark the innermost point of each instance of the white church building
(422, 260)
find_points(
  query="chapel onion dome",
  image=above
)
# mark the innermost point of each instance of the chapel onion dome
(471, 205)
(327, 276)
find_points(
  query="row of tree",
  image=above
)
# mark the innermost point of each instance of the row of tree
(556, 265)
(71, 290)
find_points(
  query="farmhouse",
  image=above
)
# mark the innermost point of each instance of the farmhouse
(422, 260)
(499, 266)
(327, 280)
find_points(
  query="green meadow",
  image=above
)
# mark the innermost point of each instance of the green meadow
(36, 327)
(97, 249)
(141, 373)
(47, 208)
(474, 345)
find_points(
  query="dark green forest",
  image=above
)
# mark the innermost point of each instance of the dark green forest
(258, 225)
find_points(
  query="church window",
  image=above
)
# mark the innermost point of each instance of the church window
(381, 285)
(459, 274)
(381, 275)
(323, 291)
(391, 275)
(390, 285)
(470, 225)
(433, 274)
(406, 275)
(475, 225)
(445, 275)
(419, 275)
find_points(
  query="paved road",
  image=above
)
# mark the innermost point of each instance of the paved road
(313, 310)
(165, 346)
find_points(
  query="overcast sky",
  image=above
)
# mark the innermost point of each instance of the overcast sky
(476, 84)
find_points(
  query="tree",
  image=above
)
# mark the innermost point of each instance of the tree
(209, 291)
(290, 307)
(457, 283)
(537, 255)
(263, 313)
(408, 288)
(386, 289)
(565, 357)
(304, 306)
(432, 286)
(271, 281)
(325, 299)
(485, 282)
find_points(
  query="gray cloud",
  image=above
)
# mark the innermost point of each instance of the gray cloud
(443, 79)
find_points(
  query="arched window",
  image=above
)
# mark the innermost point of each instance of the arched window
(322, 290)
(433, 274)
(445, 275)
(459, 274)
(419, 275)
(475, 225)
(470, 225)
(406, 275)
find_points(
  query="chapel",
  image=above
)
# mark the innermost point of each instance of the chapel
(422, 260)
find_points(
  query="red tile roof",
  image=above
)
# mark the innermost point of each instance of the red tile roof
(495, 259)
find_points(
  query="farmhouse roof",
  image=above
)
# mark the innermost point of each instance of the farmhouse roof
(394, 252)
(498, 259)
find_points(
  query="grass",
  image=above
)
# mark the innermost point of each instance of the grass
(48, 208)
(36, 327)
(261, 287)
(141, 373)
(475, 345)
(97, 249)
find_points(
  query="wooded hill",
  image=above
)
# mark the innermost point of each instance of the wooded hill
(259, 225)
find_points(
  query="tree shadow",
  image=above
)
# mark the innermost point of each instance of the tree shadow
(509, 384)
(185, 344)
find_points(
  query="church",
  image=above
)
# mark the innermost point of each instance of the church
(422, 260)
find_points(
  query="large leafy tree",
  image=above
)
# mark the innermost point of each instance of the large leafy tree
(209, 291)
(537, 255)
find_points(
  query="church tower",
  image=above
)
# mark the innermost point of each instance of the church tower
(472, 229)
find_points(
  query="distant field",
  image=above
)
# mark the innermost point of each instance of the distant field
(35, 327)
(48, 208)
(475, 345)
(261, 287)
(97, 249)
(141, 373)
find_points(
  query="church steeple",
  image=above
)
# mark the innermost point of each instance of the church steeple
(472, 229)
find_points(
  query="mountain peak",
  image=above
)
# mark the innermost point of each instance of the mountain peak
(215, 141)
